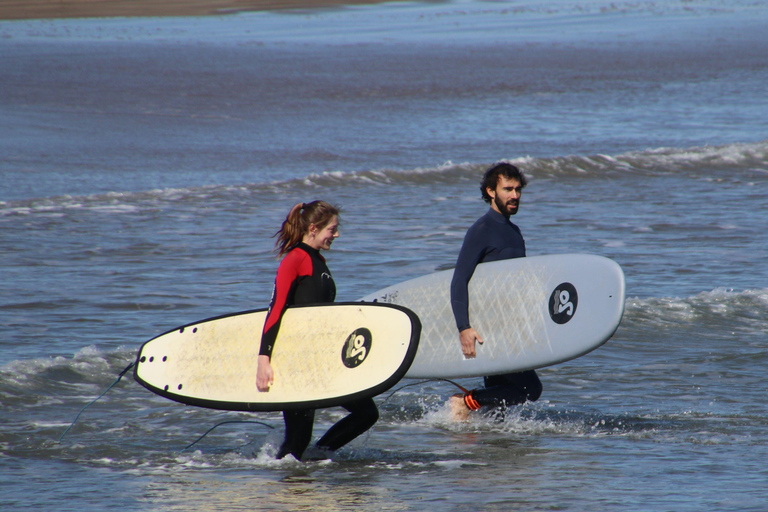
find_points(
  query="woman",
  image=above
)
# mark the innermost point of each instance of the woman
(304, 278)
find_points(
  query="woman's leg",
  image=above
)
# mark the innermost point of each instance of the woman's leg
(298, 432)
(362, 416)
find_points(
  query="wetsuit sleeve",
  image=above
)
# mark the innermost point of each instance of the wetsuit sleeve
(295, 265)
(471, 253)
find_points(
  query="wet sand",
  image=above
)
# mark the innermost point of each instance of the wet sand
(32, 9)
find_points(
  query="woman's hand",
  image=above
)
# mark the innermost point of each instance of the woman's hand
(264, 375)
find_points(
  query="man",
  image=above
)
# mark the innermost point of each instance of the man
(493, 237)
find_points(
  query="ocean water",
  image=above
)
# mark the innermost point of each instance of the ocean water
(146, 163)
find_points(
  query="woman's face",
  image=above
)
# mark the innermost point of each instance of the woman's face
(322, 239)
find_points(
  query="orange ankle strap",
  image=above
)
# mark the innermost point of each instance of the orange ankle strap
(470, 401)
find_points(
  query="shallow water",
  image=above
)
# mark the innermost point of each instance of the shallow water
(147, 163)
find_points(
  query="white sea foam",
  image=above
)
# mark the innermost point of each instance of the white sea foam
(748, 308)
(666, 160)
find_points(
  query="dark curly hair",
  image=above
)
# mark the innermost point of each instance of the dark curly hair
(491, 178)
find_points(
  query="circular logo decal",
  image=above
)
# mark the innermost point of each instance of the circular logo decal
(356, 348)
(563, 302)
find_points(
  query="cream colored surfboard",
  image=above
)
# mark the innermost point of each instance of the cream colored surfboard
(531, 312)
(323, 356)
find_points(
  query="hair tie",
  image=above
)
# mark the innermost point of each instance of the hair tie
(303, 205)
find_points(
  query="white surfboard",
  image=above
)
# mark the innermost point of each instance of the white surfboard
(324, 355)
(531, 312)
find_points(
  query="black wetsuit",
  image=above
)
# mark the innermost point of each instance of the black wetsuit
(491, 238)
(304, 278)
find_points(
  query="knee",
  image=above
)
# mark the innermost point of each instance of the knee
(366, 413)
(531, 385)
(370, 414)
(533, 391)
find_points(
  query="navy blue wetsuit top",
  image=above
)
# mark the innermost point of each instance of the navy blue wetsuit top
(492, 238)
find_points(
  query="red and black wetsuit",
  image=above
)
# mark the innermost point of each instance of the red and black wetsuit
(304, 278)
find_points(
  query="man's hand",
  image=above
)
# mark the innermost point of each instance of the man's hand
(264, 375)
(468, 337)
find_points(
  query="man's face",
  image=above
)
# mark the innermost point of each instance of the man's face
(506, 196)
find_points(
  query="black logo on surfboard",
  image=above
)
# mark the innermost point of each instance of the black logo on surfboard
(563, 302)
(356, 348)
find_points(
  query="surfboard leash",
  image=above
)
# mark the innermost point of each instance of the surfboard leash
(469, 397)
(272, 427)
(436, 379)
(130, 366)
(464, 390)
(120, 376)
(224, 423)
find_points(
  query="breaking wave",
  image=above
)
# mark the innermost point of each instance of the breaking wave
(750, 161)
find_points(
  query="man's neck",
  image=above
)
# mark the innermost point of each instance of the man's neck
(497, 212)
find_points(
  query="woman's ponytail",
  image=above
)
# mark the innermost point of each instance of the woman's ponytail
(299, 220)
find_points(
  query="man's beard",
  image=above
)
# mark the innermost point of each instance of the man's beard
(503, 207)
